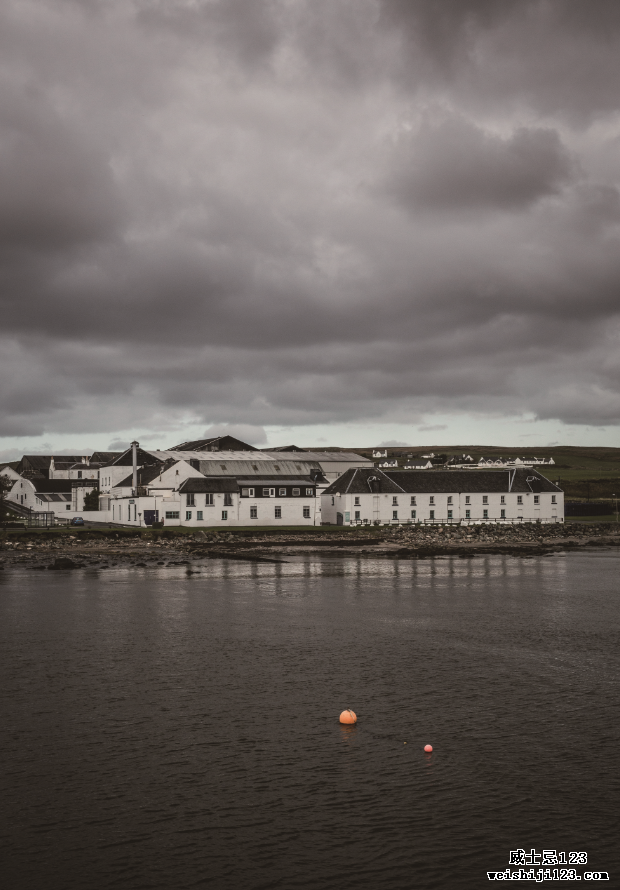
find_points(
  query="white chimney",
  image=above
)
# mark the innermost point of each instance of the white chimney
(134, 453)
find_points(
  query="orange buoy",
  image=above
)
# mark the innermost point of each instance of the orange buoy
(348, 716)
(428, 748)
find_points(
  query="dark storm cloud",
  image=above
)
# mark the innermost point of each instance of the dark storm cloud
(259, 213)
(455, 164)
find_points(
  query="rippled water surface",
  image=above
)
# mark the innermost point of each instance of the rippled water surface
(167, 730)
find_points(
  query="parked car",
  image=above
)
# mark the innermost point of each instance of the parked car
(77, 520)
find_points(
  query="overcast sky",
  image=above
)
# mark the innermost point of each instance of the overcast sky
(319, 221)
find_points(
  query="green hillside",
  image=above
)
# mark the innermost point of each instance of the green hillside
(582, 472)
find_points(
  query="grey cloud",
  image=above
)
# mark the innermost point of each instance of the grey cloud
(57, 188)
(454, 164)
(253, 435)
(119, 445)
(555, 56)
(211, 237)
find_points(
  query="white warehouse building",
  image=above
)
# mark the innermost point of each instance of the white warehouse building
(375, 497)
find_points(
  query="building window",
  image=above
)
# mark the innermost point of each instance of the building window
(395, 501)
(253, 512)
(245, 492)
(449, 514)
(333, 501)
(224, 514)
(310, 493)
(432, 514)
(171, 514)
(502, 514)
(450, 499)
(467, 514)
(208, 500)
(485, 514)
(265, 492)
(553, 500)
(485, 499)
(357, 502)
(69, 507)
(519, 499)
(413, 503)
(358, 514)
(413, 514)
(190, 500)
(296, 492)
(536, 499)
(188, 514)
(467, 499)
(502, 500)
(199, 515)
(251, 492)
(278, 512)
(282, 492)
(394, 514)
(431, 500)
(228, 501)
(306, 512)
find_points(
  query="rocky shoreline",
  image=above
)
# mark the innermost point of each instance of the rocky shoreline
(106, 549)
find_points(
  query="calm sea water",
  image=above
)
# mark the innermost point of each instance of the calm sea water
(165, 730)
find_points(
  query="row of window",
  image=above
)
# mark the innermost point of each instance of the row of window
(174, 514)
(190, 500)
(271, 492)
(431, 514)
(431, 500)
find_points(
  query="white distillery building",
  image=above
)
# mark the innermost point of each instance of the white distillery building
(206, 489)
(375, 497)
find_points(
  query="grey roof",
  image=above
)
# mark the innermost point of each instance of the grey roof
(438, 481)
(323, 456)
(280, 467)
(213, 484)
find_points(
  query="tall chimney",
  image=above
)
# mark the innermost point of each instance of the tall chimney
(134, 454)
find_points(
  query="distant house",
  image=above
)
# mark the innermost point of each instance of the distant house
(379, 453)
(418, 465)
(389, 463)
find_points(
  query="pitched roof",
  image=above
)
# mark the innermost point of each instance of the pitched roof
(104, 457)
(438, 481)
(362, 481)
(216, 443)
(145, 475)
(42, 461)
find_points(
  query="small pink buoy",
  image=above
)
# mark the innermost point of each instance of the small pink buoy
(428, 748)
(348, 716)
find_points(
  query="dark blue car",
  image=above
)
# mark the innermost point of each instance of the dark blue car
(77, 520)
